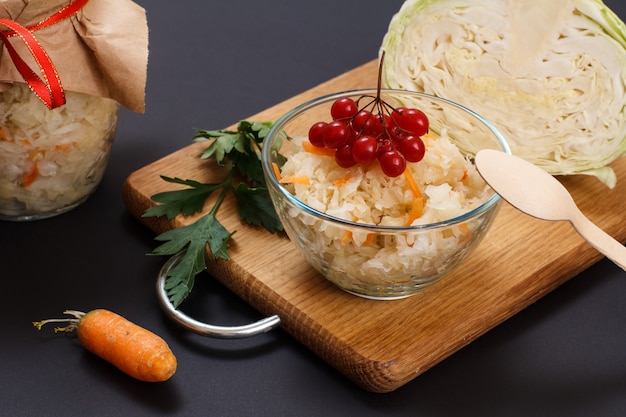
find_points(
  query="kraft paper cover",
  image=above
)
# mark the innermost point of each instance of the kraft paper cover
(102, 50)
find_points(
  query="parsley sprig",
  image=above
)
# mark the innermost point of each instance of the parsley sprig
(240, 152)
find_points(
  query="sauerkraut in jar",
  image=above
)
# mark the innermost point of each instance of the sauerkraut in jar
(51, 160)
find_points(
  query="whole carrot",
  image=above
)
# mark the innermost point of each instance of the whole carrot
(131, 348)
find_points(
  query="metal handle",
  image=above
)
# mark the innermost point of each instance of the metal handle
(222, 332)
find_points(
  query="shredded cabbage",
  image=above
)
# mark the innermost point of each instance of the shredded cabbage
(450, 186)
(550, 75)
(51, 160)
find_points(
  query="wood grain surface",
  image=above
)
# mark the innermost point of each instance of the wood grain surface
(382, 345)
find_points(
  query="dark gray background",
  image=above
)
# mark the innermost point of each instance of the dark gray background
(212, 64)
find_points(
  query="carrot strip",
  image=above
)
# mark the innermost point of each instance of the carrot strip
(417, 209)
(346, 237)
(467, 233)
(369, 239)
(63, 147)
(276, 171)
(412, 184)
(341, 181)
(31, 175)
(417, 205)
(296, 179)
(3, 136)
(309, 147)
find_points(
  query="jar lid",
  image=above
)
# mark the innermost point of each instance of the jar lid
(101, 50)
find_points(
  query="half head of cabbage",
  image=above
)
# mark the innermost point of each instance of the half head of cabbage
(550, 75)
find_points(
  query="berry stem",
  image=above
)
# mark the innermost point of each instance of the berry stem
(380, 75)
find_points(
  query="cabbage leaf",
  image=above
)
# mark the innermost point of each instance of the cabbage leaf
(550, 75)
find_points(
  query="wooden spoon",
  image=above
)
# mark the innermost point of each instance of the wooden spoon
(535, 192)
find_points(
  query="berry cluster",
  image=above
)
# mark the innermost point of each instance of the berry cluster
(361, 135)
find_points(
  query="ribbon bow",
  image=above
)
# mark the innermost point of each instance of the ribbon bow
(47, 87)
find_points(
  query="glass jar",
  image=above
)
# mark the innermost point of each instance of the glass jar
(51, 160)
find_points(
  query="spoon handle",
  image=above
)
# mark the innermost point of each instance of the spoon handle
(600, 240)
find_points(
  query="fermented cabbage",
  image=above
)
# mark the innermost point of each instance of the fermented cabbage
(51, 160)
(451, 187)
(550, 75)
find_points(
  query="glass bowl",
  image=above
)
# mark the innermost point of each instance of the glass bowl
(381, 261)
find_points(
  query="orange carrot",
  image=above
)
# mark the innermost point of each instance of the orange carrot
(296, 179)
(417, 209)
(369, 239)
(276, 170)
(346, 237)
(467, 233)
(3, 136)
(417, 205)
(412, 184)
(30, 176)
(129, 347)
(341, 181)
(309, 147)
(63, 147)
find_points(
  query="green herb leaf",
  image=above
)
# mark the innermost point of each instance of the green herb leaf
(256, 130)
(249, 167)
(187, 201)
(225, 142)
(191, 240)
(241, 151)
(255, 206)
(181, 277)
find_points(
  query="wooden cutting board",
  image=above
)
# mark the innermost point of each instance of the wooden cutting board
(382, 345)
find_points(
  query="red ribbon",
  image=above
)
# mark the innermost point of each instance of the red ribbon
(47, 87)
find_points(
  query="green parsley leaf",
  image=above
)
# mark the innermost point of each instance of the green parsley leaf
(191, 240)
(225, 142)
(187, 201)
(255, 206)
(240, 150)
(261, 129)
(249, 167)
